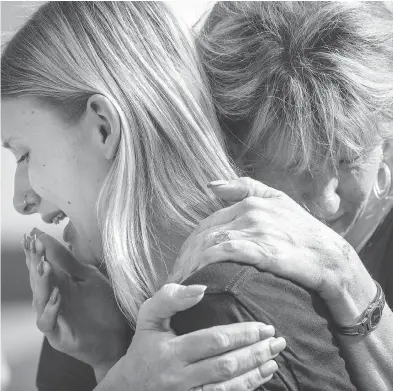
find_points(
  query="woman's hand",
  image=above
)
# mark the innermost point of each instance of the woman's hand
(81, 319)
(269, 230)
(75, 305)
(218, 358)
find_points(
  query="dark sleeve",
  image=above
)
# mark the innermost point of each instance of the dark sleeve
(60, 372)
(239, 293)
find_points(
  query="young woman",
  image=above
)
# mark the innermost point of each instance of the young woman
(104, 103)
(108, 108)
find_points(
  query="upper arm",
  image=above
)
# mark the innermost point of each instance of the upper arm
(220, 309)
(311, 359)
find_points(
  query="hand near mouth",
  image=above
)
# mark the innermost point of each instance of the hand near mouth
(75, 305)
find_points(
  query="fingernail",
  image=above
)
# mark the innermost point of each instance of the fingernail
(40, 267)
(23, 242)
(194, 290)
(269, 368)
(33, 246)
(277, 345)
(28, 243)
(54, 296)
(266, 331)
(36, 231)
(217, 183)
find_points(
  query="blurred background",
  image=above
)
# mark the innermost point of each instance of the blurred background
(20, 339)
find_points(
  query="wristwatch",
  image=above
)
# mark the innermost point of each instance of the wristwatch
(370, 317)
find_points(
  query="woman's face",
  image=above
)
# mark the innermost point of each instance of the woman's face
(60, 169)
(336, 199)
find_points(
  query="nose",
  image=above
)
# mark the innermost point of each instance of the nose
(26, 201)
(324, 200)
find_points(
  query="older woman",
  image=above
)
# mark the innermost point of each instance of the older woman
(304, 93)
(108, 107)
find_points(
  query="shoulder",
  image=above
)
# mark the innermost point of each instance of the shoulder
(239, 293)
(251, 287)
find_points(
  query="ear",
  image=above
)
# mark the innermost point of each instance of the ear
(103, 121)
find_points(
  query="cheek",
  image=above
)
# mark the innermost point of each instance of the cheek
(357, 184)
(50, 178)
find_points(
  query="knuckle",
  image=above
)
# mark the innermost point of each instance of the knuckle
(250, 203)
(169, 289)
(252, 218)
(230, 247)
(218, 387)
(221, 340)
(206, 240)
(246, 181)
(250, 382)
(259, 356)
(227, 366)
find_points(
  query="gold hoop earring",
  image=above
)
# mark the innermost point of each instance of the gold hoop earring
(383, 183)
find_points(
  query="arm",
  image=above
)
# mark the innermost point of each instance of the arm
(190, 355)
(156, 359)
(223, 308)
(371, 357)
(283, 239)
(237, 293)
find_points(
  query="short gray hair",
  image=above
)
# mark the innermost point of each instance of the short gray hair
(313, 79)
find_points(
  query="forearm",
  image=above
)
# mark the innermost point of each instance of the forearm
(371, 358)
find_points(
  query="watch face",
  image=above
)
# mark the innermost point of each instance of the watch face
(375, 317)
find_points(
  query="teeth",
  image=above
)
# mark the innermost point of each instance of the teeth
(58, 218)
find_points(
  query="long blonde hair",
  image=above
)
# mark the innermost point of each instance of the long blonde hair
(137, 55)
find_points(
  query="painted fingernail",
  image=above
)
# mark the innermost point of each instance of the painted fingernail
(33, 244)
(28, 243)
(277, 345)
(217, 183)
(194, 290)
(54, 296)
(23, 242)
(269, 368)
(40, 266)
(266, 332)
(36, 231)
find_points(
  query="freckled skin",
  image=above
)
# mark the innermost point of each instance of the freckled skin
(64, 171)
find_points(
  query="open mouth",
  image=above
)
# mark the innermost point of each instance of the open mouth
(59, 217)
(55, 217)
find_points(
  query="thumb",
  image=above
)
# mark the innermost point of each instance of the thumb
(58, 255)
(156, 312)
(241, 188)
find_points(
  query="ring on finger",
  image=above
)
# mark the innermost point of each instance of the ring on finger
(222, 236)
